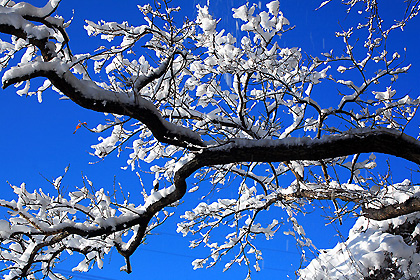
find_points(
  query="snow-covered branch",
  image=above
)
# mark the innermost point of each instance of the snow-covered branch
(202, 103)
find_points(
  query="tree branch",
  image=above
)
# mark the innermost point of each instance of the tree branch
(90, 96)
(411, 205)
(386, 141)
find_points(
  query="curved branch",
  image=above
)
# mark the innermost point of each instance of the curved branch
(86, 93)
(26, 9)
(383, 140)
(90, 96)
(387, 141)
(14, 24)
(15, 21)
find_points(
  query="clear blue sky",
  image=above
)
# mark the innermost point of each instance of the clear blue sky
(37, 141)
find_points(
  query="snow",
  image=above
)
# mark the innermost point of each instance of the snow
(307, 141)
(208, 24)
(341, 69)
(396, 193)
(388, 94)
(365, 250)
(24, 9)
(273, 7)
(194, 189)
(35, 67)
(4, 229)
(16, 20)
(90, 90)
(83, 266)
(324, 3)
(282, 81)
(371, 242)
(205, 20)
(241, 13)
(40, 212)
(158, 195)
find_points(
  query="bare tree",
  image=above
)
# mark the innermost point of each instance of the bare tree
(177, 112)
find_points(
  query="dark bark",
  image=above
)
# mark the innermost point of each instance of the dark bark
(411, 205)
(385, 141)
(43, 44)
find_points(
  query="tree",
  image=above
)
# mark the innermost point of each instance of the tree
(202, 104)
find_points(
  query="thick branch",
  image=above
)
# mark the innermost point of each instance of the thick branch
(386, 141)
(85, 93)
(16, 25)
(90, 96)
(268, 151)
(411, 205)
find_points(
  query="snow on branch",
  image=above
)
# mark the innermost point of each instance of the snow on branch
(394, 201)
(26, 9)
(387, 141)
(375, 247)
(203, 103)
(43, 227)
(89, 95)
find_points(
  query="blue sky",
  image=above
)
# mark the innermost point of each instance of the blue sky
(37, 140)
